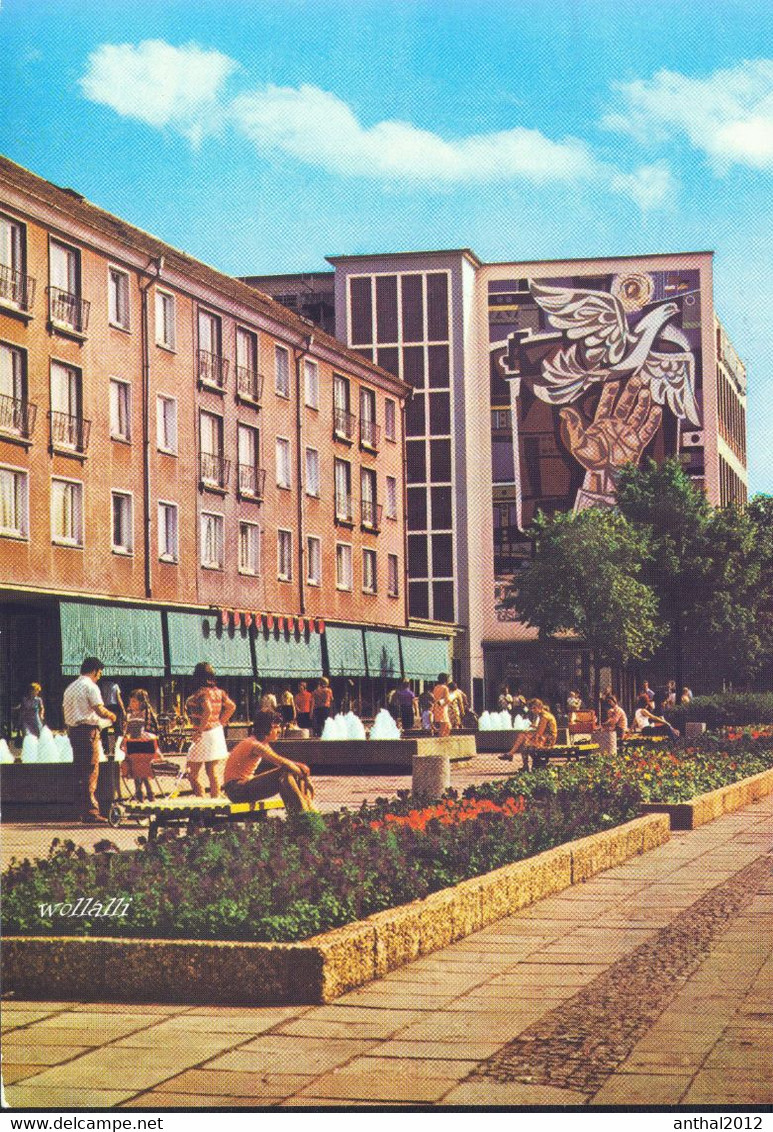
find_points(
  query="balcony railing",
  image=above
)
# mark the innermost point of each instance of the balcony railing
(370, 514)
(252, 481)
(213, 369)
(16, 288)
(215, 471)
(343, 510)
(249, 384)
(370, 434)
(343, 423)
(17, 417)
(68, 432)
(68, 309)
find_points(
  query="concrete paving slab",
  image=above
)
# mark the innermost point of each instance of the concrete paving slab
(488, 1094)
(642, 1089)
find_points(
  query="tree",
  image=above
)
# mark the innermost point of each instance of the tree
(584, 579)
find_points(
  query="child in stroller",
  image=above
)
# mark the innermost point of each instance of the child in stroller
(140, 743)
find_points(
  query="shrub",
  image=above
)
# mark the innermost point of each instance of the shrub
(725, 709)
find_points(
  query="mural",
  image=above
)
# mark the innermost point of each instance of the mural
(587, 373)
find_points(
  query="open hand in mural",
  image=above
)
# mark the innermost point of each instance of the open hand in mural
(621, 429)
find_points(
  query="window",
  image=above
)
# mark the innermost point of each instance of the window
(213, 368)
(369, 430)
(120, 409)
(283, 474)
(118, 298)
(393, 587)
(168, 545)
(390, 419)
(343, 491)
(214, 468)
(67, 512)
(284, 556)
(311, 383)
(343, 421)
(15, 287)
(248, 448)
(123, 535)
(16, 416)
(314, 561)
(249, 548)
(391, 497)
(14, 503)
(312, 472)
(343, 566)
(66, 307)
(211, 541)
(166, 424)
(68, 429)
(247, 379)
(165, 320)
(369, 571)
(282, 364)
(369, 508)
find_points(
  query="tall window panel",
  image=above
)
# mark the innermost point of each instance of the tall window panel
(15, 415)
(118, 298)
(314, 560)
(369, 577)
(283, 469)
(311, 383)
(120, 410)
(284, 553)
(249, 548)
(168, 537)
(123, 522)
(166, 424)
(67, 512)
(282, 371)
(343, 491)
(165, 320)
(343, 566)
(212, 541)
(14, 503)
(312, 472)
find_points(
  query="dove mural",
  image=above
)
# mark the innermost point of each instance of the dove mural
(601, 371)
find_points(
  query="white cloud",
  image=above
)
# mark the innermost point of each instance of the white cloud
(649, 186)
(160, 84)
(728, 115)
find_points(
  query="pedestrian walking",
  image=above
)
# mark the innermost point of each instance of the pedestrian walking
(84, 714)
(323, 702)
(405, 701)
(304, 705)
(209, 709)
(32, 712)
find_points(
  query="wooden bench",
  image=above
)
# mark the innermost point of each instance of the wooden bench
(191, 812)
(571, 751)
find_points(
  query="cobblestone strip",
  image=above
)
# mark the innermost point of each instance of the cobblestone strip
(580, 1044)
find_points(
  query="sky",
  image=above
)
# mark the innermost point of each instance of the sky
(263, 136)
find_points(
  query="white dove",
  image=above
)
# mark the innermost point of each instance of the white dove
(604, 349)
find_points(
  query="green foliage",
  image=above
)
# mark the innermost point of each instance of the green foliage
(725, 709)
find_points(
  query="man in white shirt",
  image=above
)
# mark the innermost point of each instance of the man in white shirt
(83, 709)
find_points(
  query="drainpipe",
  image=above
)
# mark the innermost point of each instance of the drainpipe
(300, 353)
(158, 264)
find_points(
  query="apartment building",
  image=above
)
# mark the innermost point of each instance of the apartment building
(188, 471)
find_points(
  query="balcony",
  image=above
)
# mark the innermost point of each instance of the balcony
(370, 515)
(344, 512)
(343, 424)
(17, 417)
(249, 385)
(68, 310)
(370, 434)
(214, 471)
(16, 288)
(213, 370)
(252, 482)
(68, 433)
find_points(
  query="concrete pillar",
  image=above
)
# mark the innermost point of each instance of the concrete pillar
(607, 741)
(431, 776)
(692, 729)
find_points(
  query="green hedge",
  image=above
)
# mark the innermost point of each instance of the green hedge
(725, 709)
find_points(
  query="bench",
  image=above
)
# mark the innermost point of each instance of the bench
(570, 751)
(191, 812)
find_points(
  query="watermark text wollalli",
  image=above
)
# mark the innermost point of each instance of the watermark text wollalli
(87, 906)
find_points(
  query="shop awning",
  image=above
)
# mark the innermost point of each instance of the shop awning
(424, 658)
(382, 650)
(295, 657)
(195, 636)
(128, 641)
(345, 651)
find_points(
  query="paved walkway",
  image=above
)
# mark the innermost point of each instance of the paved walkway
(680, 940)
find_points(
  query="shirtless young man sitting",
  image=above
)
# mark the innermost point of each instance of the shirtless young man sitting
(254, 771)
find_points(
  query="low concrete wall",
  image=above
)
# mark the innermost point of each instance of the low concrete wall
(319, 969)
(494, 742)
(354, 755)
(46, 791)
(706, 807)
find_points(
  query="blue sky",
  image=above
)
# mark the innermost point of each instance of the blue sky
(263, 136)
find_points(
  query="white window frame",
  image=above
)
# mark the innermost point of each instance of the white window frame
(390, 419)
(249, 564)
(313, 560)
(284, 555)
(118, 387)
(126, 500)
(13, 255)
(118, 303)
(20, 504)
(311, 383)
(282, 372)
(343, 502)
(390, 497)
(17, 389)
(369, 567)
(163, 399)
(218, 525)
(73, 282)
(369, 494)
(72, 376)
(393, 576)
(284, 474)
(313, 484)
(247, 436)
(165, 509)
(78, 538)
(344, 566)
(166, 319)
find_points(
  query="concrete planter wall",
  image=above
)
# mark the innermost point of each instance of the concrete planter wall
(706, 807)
(353, 755)
(319, 969)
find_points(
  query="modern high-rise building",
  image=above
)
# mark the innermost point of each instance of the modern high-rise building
(532, 383)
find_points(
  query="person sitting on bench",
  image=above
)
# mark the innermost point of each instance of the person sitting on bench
(254, 771)
(541, 738)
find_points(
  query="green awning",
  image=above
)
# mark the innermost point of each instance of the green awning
(198, 636)
(383, 653)
(424, 658)
(295, 657)
(128, 641)
(345, 651)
